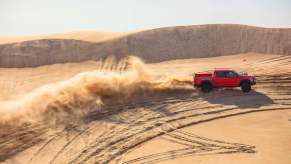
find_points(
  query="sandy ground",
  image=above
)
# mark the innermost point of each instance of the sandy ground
(225, 126)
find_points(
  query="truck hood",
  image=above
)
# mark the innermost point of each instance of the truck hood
(247, 75)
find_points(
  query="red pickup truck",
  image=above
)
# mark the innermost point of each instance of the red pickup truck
(224, 78)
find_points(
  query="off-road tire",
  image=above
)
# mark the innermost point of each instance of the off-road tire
(206, 87)
(246, 86)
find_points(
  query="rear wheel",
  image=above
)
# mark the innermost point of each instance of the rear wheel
(206, 87)
(246, 87)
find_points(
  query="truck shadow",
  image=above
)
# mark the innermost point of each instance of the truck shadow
(237, 98)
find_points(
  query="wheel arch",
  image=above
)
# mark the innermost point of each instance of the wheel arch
(244, 81)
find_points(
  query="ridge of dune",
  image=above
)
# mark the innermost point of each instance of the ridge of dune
(153, 45)
(90, 36)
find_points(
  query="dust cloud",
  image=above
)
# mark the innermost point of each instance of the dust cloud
(111, 82)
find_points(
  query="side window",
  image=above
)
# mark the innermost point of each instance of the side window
(231, 74)
(221, 74)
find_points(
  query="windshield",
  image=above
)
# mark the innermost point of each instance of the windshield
(241, 73)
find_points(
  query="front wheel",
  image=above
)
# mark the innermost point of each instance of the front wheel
(246, 87)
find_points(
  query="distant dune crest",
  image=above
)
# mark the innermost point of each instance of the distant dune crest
(152, 45)
(89, 36)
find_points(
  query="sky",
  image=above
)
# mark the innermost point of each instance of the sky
(34, 17)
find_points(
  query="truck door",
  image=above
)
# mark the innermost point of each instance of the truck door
(232, 79)
(220, 79)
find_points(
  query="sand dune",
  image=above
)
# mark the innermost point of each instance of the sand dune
(178, 126)
(152, 45)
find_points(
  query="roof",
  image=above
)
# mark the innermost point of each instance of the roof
(223, 69)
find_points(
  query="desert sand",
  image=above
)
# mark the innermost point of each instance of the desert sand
(148, 113)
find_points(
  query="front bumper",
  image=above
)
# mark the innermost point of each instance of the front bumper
(253, 81)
